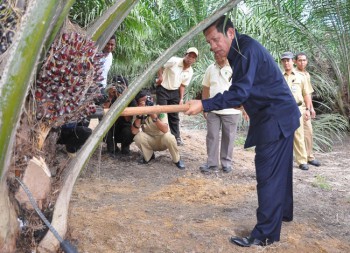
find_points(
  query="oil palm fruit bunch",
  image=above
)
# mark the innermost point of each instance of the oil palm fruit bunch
(8, 25)
(66, 84)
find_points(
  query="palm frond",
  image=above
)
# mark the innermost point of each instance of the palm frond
(327, 128)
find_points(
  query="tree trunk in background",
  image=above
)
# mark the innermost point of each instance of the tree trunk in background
(8, 222)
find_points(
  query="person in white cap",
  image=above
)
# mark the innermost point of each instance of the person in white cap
(172, 80)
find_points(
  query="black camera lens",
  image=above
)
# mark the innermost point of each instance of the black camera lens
(149, 101)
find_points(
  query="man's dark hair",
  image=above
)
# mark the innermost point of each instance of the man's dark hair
(141, 94)
(300, 54)
(222, 24)
(113, 37)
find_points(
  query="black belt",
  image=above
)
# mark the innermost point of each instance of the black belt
(300, 103)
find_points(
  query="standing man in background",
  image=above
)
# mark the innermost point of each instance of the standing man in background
(216, 80)
(107, 63)
(301, 62)
(171, 83)
(301, 92)
(108, 60)
(258, 84)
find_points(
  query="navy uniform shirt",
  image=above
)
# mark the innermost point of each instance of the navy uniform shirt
(258, 85)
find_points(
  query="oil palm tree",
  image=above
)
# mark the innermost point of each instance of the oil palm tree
(42, 21)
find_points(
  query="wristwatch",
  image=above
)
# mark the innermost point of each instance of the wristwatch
(155, 119)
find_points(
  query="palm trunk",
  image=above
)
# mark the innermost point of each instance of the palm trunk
(8, 224)
(22, 59)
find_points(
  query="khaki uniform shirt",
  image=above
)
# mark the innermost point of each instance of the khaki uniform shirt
(308, 79)
(218, 80)
(150, 128)
(298, 85)
(174, 75)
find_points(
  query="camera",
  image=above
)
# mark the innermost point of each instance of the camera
(149, 101)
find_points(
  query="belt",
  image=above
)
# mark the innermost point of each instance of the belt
(300, 103)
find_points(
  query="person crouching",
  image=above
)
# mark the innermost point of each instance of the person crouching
(152, 133)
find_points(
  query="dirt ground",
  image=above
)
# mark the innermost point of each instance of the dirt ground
(121, 206)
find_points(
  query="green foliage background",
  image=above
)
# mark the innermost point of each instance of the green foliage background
(321, 29)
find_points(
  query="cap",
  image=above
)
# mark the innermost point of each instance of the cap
(192, 50)
(287, 55)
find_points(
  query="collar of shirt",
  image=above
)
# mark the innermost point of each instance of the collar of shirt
(234, 47)
(292, 73)
(219, 67)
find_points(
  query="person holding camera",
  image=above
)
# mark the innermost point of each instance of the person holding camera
(120, 132)
(152, 133)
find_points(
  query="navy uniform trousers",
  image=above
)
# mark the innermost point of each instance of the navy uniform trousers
(274, 174)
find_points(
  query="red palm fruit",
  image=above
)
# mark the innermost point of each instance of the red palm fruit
(43, 77)
(61, 112)
(39, 115)
(59, 64)
(59, 96)
(64, 79)
(49, 95)
(57, 56)
(54, 88)
(76, 88)
(57, 106)
(38, 93)
(49, 74)
(67, 109)
(65, 37)
(54, 70)
(67, 70)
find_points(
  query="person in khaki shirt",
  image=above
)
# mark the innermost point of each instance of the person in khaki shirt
(300, 90)
(172, 81)
(301, 63)
(152, 133)
(217, 79)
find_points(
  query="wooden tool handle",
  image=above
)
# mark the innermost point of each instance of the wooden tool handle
(130, 111)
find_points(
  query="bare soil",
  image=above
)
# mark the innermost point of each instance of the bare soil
(121, 206)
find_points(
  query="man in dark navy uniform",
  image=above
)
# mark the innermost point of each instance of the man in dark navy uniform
(258, 85)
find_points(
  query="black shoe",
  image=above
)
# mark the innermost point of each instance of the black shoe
(227, 169)
(143, 161)
(303, 167)
(125, 150)
(208, 169)
(180, 164)
(113, 153)
(284, 219)
(179, 141)
(249, 241)
(314, 163)
(112, 150)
